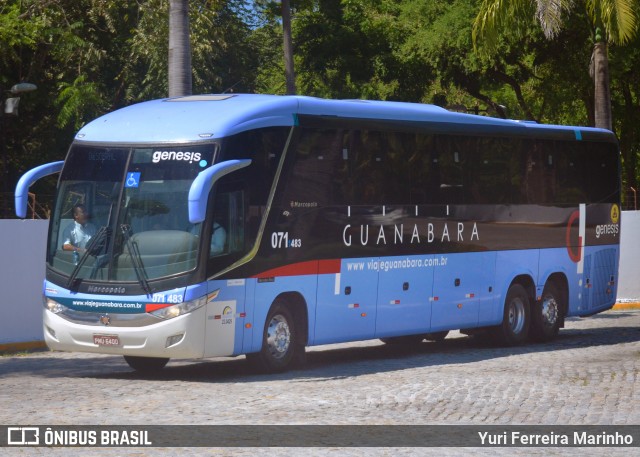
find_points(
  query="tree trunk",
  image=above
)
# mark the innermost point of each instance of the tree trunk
(179, 49)
(289, 73)
(602, 90)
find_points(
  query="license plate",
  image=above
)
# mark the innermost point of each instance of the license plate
(106, 340)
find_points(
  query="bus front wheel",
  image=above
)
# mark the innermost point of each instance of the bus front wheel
(514, 329)
(146, 364)
(280, 343)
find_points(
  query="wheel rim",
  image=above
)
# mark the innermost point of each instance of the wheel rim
(516, 316)
(278, 336)
(549, 311)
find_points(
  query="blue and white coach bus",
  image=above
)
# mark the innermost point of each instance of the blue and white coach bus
(221, 225)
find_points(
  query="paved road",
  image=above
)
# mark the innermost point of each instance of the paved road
(589, 375)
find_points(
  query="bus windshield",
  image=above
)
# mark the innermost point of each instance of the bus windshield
(121, 213)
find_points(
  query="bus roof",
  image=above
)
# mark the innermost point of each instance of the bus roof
(205, 117)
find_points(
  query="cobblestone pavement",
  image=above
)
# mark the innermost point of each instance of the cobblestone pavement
(589, 375)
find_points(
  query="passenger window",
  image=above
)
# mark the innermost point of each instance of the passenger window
(450, 161)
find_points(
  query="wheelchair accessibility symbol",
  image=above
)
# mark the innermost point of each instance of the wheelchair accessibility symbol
(133, 179)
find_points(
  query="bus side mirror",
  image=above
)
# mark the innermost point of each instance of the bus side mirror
(202, 185)
(27, 179)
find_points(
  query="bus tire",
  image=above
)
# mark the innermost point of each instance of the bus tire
(281, 347)
(514, 329)
(146, 364)
(546, 314)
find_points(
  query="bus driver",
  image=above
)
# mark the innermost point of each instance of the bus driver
(78, 233)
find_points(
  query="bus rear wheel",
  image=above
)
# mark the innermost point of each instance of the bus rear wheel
(280, 342)
(514, 329)
(546, 315)
(146, 364)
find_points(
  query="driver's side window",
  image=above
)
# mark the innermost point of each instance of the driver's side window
(227, 233)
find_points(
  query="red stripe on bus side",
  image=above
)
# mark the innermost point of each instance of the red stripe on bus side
(310, 267)
(327, 267)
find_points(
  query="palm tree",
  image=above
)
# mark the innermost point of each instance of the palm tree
(179, 49)
(618, 19)
(289, 73)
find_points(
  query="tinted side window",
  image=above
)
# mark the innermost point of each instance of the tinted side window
(317, 170)
(602, 179)
(264, 147)
(452, 153)
(495, 171)
(587, 173)
(423, 170)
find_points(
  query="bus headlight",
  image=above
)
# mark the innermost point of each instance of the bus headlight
(179, 309)
(53, 306)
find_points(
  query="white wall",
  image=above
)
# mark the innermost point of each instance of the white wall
(22, 262)
(629, 273)
(22, 267)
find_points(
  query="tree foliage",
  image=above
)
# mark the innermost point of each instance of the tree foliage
(88, 57)
(612, 21)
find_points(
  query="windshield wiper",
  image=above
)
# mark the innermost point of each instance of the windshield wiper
(136, 258)
(93, 247)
